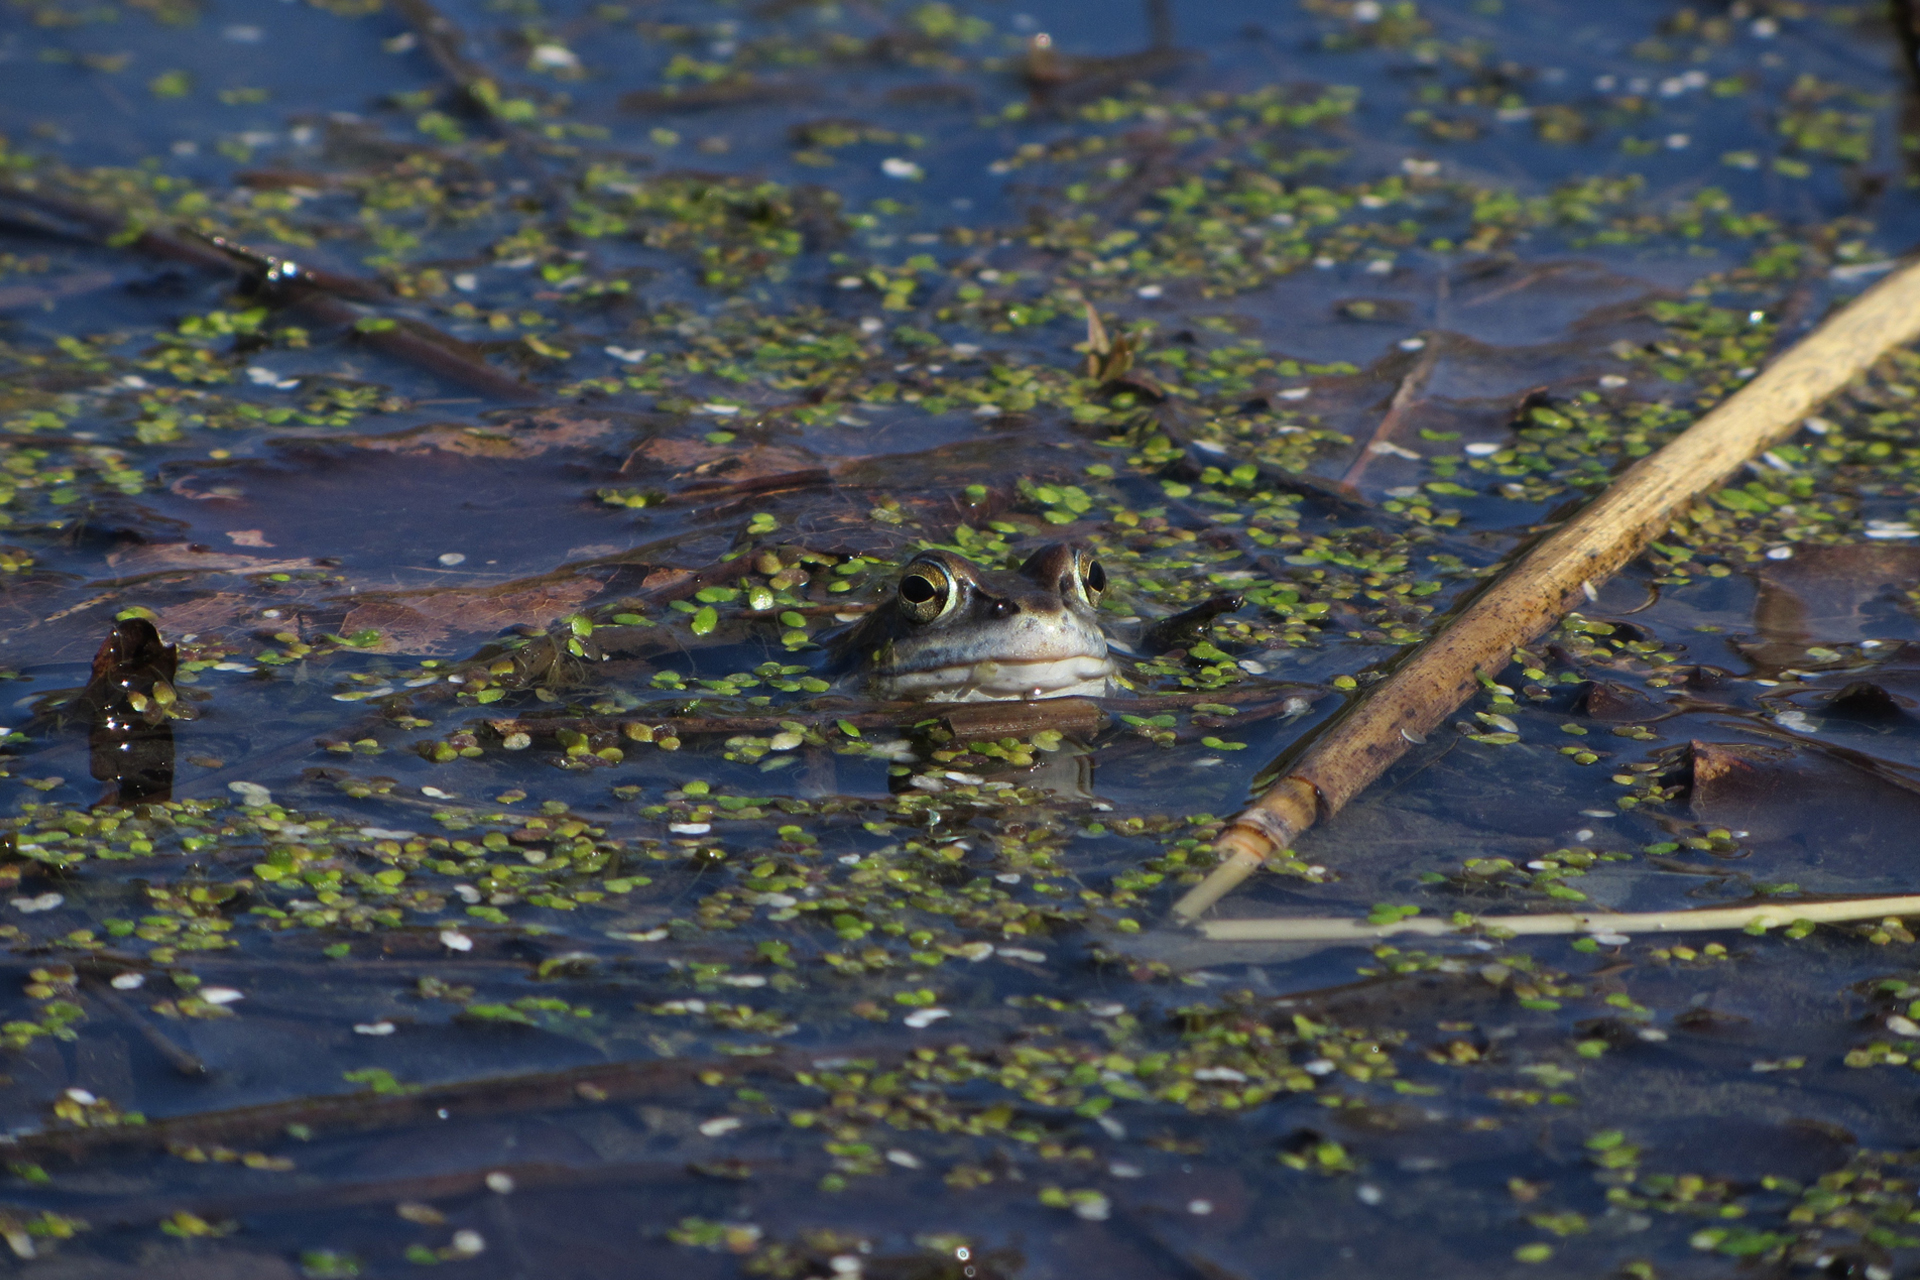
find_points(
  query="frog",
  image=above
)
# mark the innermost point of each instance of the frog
(952, 631)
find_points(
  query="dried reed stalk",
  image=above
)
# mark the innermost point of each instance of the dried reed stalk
(1767, 916)
(1533, 594)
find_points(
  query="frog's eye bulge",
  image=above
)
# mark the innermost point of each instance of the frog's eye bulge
(1084, 578)
(926, 591)
(1093, 579)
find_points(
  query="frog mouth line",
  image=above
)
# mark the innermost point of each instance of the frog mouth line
(1002, 679)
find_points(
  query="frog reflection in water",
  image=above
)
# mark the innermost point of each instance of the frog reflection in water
(954, 632)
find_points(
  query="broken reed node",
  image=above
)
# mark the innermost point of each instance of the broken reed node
(1537, 591)
(1771, 915)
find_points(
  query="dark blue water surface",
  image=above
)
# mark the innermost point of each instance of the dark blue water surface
(502, 407)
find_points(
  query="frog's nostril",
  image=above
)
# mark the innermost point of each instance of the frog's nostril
(1002, 609)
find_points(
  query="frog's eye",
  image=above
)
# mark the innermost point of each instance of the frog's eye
(1093, 579)
(926, 591)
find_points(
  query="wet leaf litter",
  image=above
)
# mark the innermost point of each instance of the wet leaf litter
(525, 887)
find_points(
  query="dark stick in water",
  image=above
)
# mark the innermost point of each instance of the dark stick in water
(321, 295)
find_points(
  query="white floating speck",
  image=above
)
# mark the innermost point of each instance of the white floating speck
(469, 1242)
(381, 1028)
(1678, 141)
(690, 828)
(627, 355)
(385, 833)
(262, 376)
(1903, 1026)
(1008, 877)
(435, 793)
(252, 794)
(1861, 270)
(240, 668)
(500, 1183)
(744, 980)
(221, 995)
(129, 981)
(1318, 1067)
(719, 410)
(466, 282)
(920, 1018)
(553, 57)
(905, 1159)
(1106, 1009)
(452, 558)
(1795, 720)
(1096, 1207)
(82, 1097)
(1021, 953)
(1483, 448)
(871, 324)
(1612, 939)
(45, 902)
(454, 940)
(1149, 291)
(1227, 1074)
(1200, 1208)
(1367, 1193)
(898, 167)
(1598, 813)
(720, 1125)
(1612, 382)
(1295, 393)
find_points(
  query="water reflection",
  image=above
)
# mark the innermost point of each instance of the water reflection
(127, 703)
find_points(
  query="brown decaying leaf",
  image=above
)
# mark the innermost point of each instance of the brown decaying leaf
(1821, 595)
(427, 622)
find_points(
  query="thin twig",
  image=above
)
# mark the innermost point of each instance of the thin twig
(178, 1058)
(1555, 575)
(320, 295)
(1405, 397)
(1711, 919)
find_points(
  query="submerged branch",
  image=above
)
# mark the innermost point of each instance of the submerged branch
(1537, 591)
(321, 295)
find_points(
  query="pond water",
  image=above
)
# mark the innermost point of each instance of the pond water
(440, 443)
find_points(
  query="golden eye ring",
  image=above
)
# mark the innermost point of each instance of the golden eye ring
(926, 591)
(1093, 578)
